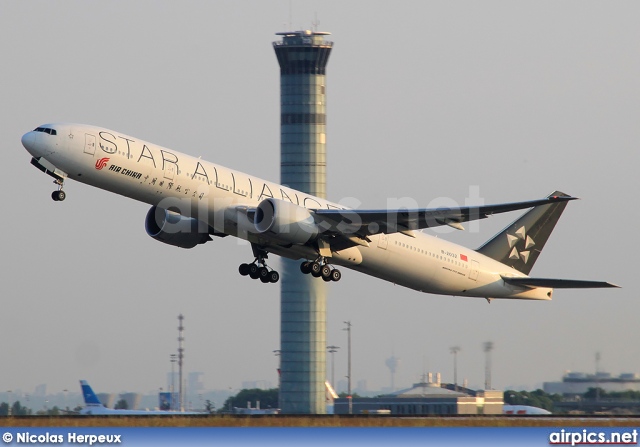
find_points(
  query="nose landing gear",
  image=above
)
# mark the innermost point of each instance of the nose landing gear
(59, 195)
(45, 166)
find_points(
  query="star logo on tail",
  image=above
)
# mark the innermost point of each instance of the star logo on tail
(521, 240)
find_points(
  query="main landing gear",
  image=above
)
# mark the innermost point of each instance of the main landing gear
(259, 269)
(59, 195)
(320, 268)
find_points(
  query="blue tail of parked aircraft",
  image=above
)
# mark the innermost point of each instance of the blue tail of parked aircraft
(89, 396)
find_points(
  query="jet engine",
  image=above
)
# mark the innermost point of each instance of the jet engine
(175, 229)
(285, 222)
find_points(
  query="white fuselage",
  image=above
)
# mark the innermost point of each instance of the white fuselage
(99, 410)
(212, 193)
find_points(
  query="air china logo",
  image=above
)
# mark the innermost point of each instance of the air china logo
(101, 163)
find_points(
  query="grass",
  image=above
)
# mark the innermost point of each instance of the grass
(315, 421)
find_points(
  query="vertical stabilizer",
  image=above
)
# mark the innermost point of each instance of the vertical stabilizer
(89, 396)
(520, 244)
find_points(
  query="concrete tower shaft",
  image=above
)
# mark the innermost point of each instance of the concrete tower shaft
(303, 57)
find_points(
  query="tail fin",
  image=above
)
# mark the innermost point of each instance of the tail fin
(520, 244)
(90, 397)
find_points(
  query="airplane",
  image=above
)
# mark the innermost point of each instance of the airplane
(93, 406)
(523, 410)
(193, 200)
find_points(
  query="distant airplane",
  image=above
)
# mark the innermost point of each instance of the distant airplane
(193, 200)
(522, 410)
(93, 406)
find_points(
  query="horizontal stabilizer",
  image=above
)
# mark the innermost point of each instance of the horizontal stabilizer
(556, 283)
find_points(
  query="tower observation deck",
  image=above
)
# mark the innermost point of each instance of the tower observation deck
(303, 57)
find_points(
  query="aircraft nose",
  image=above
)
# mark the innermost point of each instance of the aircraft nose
(28, 141)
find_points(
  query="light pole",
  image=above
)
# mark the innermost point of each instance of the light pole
(277, 353)
(454, 350)
(597, 376)
(332, 350)
(349, 398)
(9, 409)
(172, 400)
(488, 347)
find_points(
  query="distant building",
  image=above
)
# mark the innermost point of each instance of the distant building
(425, 398)
(41, 390)
(196, 385)
(362, 387)
(107, 399)
(132, 400)
(575, 383)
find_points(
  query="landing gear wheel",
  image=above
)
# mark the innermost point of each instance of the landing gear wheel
(305, 267)
(58, 196)
(316, 269)
(325, 271)
(244, 269)
(254, 271)
(335, 275)
(326, 278)
(259, 269)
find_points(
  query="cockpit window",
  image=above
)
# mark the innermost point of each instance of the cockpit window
(46, 130)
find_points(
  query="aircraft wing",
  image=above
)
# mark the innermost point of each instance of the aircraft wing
(556, 283)
(364, 223)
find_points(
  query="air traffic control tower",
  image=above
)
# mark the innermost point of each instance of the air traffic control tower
(303, 57)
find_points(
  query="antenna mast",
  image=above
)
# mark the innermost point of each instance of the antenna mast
(180, 361)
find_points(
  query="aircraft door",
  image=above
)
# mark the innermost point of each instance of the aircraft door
(383, 240)
(89, 144)
(473, 273)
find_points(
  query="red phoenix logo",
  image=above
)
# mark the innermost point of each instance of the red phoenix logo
(101, 163)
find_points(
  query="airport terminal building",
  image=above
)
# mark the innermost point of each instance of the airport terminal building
(426, 398)
(576, 383)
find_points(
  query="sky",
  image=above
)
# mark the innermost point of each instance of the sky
(435, 101)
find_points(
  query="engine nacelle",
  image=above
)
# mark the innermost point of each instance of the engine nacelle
(285, 222)
(174, 229)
